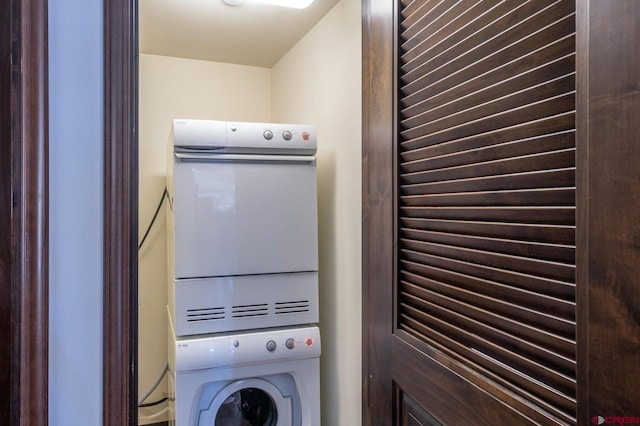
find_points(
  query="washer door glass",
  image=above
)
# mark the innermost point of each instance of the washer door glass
(247, 407)
(245, 402)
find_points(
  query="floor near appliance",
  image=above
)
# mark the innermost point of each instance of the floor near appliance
(145, 417)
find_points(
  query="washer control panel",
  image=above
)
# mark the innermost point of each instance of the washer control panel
(254, 347)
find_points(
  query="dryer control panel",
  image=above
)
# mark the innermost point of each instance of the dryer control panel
(243, 137)
(257, 347)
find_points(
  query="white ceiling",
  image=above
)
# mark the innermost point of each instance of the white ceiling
(247, 34)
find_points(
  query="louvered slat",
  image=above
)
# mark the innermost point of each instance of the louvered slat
(514, 181)
(552, 252)
(493, 259)
(486, 190)
(552, 234)
(420, 171)
(541, 292)
(561, 215)
(530, 134)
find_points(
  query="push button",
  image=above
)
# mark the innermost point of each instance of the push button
(271, 346)
(286, 135)
(268, 135)
(290, 343)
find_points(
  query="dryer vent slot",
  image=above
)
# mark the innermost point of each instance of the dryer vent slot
(244, 311)
(292, 307)
(205, 314)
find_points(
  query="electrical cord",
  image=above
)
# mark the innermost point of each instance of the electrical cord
(165, 194)
(154, 386)
(151, 404)
(141, 403)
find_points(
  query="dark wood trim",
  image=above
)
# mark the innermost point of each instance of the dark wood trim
(608, 204)
(32, 248)
(582, 209)
(377, 210)
(120, 213)
(24, 223)
(6, 209)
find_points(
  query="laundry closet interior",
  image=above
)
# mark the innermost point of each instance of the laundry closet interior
(190, 68)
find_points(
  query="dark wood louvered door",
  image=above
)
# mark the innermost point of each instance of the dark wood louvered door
(486, 205)
(484, 295)
(501, 184)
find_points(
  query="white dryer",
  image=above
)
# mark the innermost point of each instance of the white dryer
(242, 226)
(262, 378)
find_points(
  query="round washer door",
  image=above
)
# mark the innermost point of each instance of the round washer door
(248, 402)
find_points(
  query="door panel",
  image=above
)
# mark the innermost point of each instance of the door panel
(412, 414)
(447, 391)
(24, 213)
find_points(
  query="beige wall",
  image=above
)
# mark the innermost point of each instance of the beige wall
(179, 88)
(319, 82)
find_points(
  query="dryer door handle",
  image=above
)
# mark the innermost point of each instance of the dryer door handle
(239, 158)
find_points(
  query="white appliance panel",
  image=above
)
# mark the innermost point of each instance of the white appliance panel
(240, 215)
(212, 305)
(198, 134)
(258, 347)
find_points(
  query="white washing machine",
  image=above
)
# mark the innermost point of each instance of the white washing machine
(264, 378)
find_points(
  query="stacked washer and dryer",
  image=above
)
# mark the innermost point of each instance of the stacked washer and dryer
(243, 274)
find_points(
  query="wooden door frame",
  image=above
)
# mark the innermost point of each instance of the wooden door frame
(24, 223)
(120, 315)
(608, 200)
(378, 193)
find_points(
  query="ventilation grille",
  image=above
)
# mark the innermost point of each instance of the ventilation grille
(292, 307)
(249, 311)
(245, 311)
(205, 314)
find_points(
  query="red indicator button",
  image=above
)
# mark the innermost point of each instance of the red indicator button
(308, 342)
